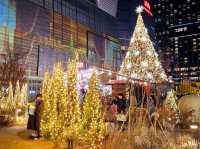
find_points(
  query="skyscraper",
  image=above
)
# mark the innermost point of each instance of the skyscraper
(178, 34)
(126, 19)
(41, 32)
(109, 6)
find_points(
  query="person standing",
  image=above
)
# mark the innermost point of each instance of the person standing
(37, 113)
(35, 116)
(122, 104)
(31, 119)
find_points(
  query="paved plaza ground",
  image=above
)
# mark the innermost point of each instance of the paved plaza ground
(18, 138)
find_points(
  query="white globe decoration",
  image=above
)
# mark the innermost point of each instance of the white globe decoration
(149, 76)
(128, 53)
(157, 64)
(149, 53)
(136, 52)
(144, 39)
(132, 40)
(138, 29)
(163, 75)
(144, 64)
(129, 65)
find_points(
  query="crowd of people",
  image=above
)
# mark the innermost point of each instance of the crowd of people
(117, 108)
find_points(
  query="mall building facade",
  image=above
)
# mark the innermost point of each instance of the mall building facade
(42, 32)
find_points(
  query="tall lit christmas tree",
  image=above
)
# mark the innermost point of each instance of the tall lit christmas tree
(93, 127)
(24, 95)
(9, 102)
(72, 112)
(141, 61)
(59, 96)
(49, 113)
(17, 95)
(10, 97)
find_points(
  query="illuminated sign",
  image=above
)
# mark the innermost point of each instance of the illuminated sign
(147, 7)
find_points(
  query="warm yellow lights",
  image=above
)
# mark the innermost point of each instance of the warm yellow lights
(61, 119)
(171, 101)
(61, 112)
(93, 127)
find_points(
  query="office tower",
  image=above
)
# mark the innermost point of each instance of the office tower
(109, 6)
(178, 35)
(43, 32)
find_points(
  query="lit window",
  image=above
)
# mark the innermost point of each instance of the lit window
(176, 38)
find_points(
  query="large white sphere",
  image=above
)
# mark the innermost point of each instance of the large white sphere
(190, 103)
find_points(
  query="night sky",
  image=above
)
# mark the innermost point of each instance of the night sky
(127, 16)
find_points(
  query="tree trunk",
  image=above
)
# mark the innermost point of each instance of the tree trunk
(70, 144)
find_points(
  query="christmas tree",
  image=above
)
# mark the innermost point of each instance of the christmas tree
(59, 97)
(24, 95)
(171, 101)
(9, 105)
(60, 113)
(93, 127)
(49, 112)
(141, 61)
(54, 95)
(10, 98)
(72, 113)
(17, 95)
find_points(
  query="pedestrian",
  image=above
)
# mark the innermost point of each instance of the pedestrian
(122, 103)
(37, 113)
(31, 119)
(122, 106)
(113, 108)
(34, 117)
(82, 98)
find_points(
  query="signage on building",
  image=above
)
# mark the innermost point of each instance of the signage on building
(184, 30)
(147, 7)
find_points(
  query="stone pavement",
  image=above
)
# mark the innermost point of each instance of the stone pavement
(18, 138)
